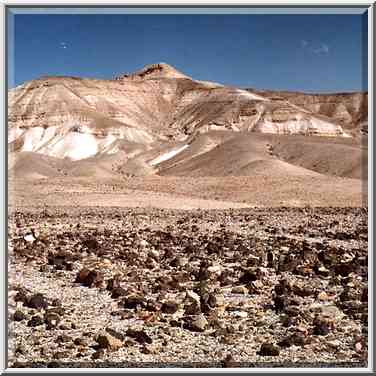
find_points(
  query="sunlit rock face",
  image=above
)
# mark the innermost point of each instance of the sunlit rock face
(350, 110)
(77, 118)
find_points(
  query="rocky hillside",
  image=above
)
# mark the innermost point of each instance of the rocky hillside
(79, 118)
(350, 110)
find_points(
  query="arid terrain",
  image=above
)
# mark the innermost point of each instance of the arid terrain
(156, 220)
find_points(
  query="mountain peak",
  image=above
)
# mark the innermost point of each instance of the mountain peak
(158, 70)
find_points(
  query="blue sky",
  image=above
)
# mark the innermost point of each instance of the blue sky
(312, 53)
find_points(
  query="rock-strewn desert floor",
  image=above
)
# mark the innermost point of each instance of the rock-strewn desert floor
(157, 220)
(148, 287)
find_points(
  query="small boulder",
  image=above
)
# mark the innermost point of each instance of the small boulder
(197, 323)
(37, 301)
(52, 320)
(19, 316)
(170, 307)
(107, 341)
(269, 349)
(35, 321)
(117, 292)
(139, 335)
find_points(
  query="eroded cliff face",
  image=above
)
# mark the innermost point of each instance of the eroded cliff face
(350, 110)
(79, 118)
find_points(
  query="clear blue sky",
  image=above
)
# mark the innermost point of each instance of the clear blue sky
(313, 53)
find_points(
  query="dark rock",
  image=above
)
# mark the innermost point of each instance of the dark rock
(169, 307)
(279, 303)
(35, 321)
(69, 266)
(43, 268)
(113, 283)
(228, 362)
(54, 364)
(52, 320)
(297, 339)
(107, 341)
(115, 334)
(364, 297)
(248, 276)
(153, 306)
(57, 310)
(322, 326)
(89, 278)
(303, 292)
(79, 341)
(21, 296)
(56, 303)
(37, 301)
(268, 349)
(139, 335)
(133, 301)
(63, 338)
(91, 244)
(98, 354)
(19, 316)
(193, 308)
(344, 269)
(321, 329)
(196, 323)
(117, 292)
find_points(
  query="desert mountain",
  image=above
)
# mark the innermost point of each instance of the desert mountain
(350, 110)
(160, 121)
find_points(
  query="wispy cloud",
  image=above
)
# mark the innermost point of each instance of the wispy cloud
(317, 49)
(322, 50)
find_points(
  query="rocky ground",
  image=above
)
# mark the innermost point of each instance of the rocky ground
(113, 287)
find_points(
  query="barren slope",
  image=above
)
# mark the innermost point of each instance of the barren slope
(79, 118)
(348, 109)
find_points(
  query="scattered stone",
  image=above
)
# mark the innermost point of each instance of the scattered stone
(113, 283)
(115, 334)
(321, 326)
(79, 341)
(269, 349)
(35, 321)
(52, 320)
(228, 362)
(117, 292)
(63, 338)
(139, 335)
(107, 341)
(56, 303)
(150, 349)
(248, 276)
(169, 307)
(89, 278)
(19, 316)
(196, 323)
(98, 354)
(37, 301)
(133, 301)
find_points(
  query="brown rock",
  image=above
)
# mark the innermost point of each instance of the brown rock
(52, 320)
(107, 341)
(37, 301)
(19, 316)
(139, 335)
(269, 349)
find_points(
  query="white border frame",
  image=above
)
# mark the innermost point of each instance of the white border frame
(209, 3)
